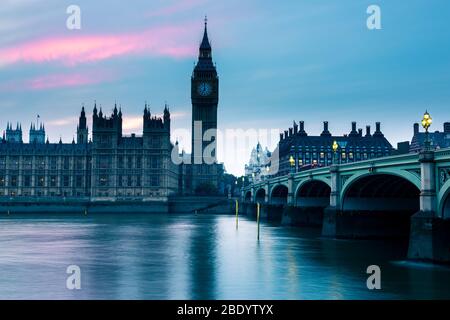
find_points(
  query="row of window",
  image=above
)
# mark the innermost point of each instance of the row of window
(324, 159)
(129, 194)
(106, 140)
(103, 162)
(343, 155)
(54, 162)
(130, 162)
(127, 181)
(40, 181)
(79, 181)
(40, 193)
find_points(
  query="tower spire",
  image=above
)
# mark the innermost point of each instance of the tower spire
(205, 46)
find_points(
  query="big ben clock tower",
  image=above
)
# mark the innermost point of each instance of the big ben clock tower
(205, 98)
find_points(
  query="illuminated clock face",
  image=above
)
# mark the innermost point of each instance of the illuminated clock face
(204, 89)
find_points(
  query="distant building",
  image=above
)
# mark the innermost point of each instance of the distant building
(438, 140)
(402, 148)
(316, 151)
(111, 167)
(259, 162)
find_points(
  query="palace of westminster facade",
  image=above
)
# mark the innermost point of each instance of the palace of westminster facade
(111, 166)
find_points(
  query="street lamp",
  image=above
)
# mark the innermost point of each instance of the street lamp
(335, 148)
(267, 172)
(426, 123)
(292, 162)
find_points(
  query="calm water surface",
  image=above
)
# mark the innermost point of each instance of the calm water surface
(199, 257)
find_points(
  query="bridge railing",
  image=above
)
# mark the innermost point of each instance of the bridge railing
(442, 154)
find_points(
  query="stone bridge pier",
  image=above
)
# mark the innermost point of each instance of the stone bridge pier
(430, 226)
(306, 205)
(375, 205)
(272, 202)
(271, 207)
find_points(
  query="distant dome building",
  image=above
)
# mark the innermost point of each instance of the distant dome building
(259, 161)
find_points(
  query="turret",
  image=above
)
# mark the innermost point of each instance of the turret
(37, 133)
(156, 129)
(104, 127)
(94, 112)
(155, 124)
(82, 129)
(166, 118)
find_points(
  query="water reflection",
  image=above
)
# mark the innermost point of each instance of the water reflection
(199, 257)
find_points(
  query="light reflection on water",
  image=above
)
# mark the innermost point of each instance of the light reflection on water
(199, 257)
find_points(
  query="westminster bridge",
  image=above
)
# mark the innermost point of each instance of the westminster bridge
(396, 196)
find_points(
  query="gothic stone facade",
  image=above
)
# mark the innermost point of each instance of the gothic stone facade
(110, 167)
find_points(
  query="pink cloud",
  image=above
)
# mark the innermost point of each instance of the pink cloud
(71, 50)
(60, 80)
(64, 80)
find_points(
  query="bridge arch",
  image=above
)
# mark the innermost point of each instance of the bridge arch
(405, 175)
(444, 201)
(381, 192)
(260, 195)
(313, 193)
(248, 196)
(279, 194)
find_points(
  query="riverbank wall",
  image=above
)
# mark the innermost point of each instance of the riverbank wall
(176, 204)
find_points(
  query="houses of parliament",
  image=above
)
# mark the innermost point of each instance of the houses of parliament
(111, 166)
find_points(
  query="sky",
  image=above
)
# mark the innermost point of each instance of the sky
(278, 61)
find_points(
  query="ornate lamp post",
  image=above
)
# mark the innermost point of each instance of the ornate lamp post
(335, 148)
(426, 123)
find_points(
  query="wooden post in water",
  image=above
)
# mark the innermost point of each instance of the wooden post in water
(237, 214)
(257, 216)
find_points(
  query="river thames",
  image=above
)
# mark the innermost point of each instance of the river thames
(162, 256)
